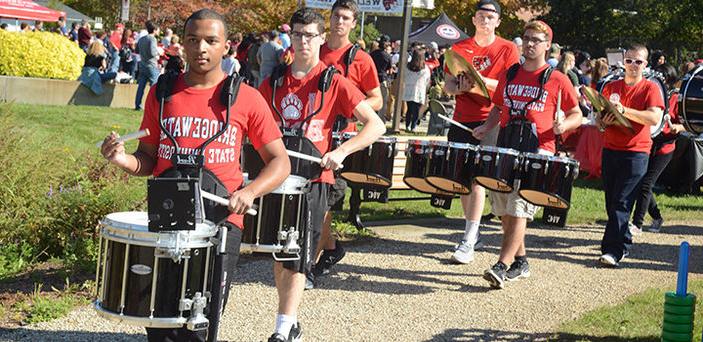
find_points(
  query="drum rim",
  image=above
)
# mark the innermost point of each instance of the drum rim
(505, 150)
(296, 188)
(682, 98)
(461, 145)
(419, 142)
(161, 322)
(209, 230)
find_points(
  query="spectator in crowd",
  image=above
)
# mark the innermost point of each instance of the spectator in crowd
(253, 60)
(116, 36)
(382, 59)
(112, 54)
(658, 58)
(518, 43)
(73, 34)
(174, 47)
(166, 39)
(554, 55)
(285, 38)
(416, 83)
(269, 55)
(566, 66)
(61, 27)
(38, 26)
(148, 63)
(687, 67)
(361, 43)
(85, 36)
(96, 58)
(600, 69)
(230, 64)
(24, 27)
(127, 51)
(583, 67)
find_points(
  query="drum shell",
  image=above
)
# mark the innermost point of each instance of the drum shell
(451, 167)
(417, 165)
(276, 212)
(691, 101)
(372, 165)
(497, 168)
(548, 181)
(135, 261)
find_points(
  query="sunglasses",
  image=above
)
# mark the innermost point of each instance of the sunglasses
(638, 62)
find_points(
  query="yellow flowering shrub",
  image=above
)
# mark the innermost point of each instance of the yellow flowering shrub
(39, 54)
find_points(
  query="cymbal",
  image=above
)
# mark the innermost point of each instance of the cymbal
(603, 106)
(457, 65)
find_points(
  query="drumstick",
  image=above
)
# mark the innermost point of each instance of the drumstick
(224, 201)
(307, 157)
(128, 137)
(456, 123)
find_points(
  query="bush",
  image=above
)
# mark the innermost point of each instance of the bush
(39, 54)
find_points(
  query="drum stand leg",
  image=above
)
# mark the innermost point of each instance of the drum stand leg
(219, 288)
(354, 206)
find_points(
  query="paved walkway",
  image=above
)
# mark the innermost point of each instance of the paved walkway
(400, 287)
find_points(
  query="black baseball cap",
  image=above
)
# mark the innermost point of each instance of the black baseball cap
(482, 5)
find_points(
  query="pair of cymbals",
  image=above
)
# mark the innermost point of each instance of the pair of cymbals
(457, 65)
(603, 106)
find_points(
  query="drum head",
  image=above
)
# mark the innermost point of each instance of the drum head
(544, 200)
(421, 185)
(362, 178)
(132, 220)
(691, 101)
(448, 185)
(494, 184)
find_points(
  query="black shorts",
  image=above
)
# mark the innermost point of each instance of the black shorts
(460, 135)
(317, 207)
(337, 192)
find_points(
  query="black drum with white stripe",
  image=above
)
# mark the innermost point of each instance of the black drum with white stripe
(691, 100)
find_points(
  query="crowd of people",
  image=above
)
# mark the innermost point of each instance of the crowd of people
(535, 96)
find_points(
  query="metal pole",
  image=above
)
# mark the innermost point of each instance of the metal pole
(407, 16)
(363, 19)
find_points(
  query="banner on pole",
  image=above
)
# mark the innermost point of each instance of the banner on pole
(124, 14)
(375, 6)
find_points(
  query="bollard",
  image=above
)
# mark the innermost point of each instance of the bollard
(679, 306)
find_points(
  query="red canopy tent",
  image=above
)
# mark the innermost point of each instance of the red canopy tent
(28, 10)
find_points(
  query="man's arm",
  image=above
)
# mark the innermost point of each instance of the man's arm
(490, 123)
(650, 116)
(572, 121)
(271, 176)
(374, 98)
(139, 163)
(372, 130)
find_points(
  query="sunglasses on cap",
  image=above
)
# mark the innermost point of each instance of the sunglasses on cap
(638, 62)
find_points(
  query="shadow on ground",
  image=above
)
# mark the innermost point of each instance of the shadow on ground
(467, 335)
(22, 334)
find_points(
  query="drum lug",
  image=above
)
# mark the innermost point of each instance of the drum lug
(197, 320)
(291, 238)
(174, 254)
(185, 304)
(390, 150)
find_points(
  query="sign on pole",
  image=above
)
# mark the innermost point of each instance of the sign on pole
(124, 15)
(376, 6)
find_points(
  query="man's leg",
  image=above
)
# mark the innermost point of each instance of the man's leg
(142, 78)
(513, 238)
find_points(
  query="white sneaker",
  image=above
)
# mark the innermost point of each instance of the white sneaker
(608, 260)
(634, 230)
(464, 253)
(656, 225)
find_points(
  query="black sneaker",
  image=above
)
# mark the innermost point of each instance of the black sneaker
(296, 333)
(496, 275)
(310, 280)
(276, 337)
(520, 268)
(328, 259)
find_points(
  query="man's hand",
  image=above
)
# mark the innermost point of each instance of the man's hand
(333, 159)
(113, 150)
(464, 83)
(240, 201)
(480, 132)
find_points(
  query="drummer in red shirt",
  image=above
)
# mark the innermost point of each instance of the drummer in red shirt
(626, 152)
(193, 114)
(362, 73)
(516, 106)
(298, 97)
(662, 151)
(490, 55)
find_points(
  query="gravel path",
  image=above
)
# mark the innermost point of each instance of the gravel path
(400, 287)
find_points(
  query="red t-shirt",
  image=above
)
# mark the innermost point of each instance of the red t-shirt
(490, 61)
(362, 71)
(297, 99)
(194, 115)
(666, 132)
(645, 94)
(523, 88)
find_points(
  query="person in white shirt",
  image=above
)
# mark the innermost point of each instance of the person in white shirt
(416, 82)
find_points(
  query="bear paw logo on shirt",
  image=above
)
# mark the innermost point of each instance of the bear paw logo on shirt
(481, 62)
(615, 98)
(291, 107)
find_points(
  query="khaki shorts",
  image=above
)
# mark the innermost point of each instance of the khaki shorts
(511, 204)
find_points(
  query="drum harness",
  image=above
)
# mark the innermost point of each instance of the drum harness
(340, 121)
(191, 168)
(294, 137)
(519, 120)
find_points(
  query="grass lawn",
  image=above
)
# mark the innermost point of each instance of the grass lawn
(638, 318)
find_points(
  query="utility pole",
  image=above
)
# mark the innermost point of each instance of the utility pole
(407, 16)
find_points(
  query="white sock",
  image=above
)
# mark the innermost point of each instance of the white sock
(284, 323)
(471, 231)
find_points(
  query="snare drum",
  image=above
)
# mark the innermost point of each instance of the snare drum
(372, 165)
(497, 168)
(151, 279)
(279, 226)
(547, 180)
(417, 163)
(452, 166)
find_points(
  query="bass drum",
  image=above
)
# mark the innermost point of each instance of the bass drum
(691, 101)
(653, 76)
